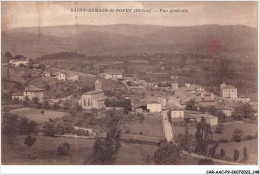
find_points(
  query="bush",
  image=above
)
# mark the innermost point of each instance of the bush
(249, 137)
(222, 153)
(141, 133)
(219, 128)
(35, 100)
(63, 149)
(48, 129)
(206, 162)
(56, 106)
(245, 153)
(236, 155)
(127, 131)
(29, 141)
(46, 104)
(237, 135)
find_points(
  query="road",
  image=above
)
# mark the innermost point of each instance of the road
(167, 127)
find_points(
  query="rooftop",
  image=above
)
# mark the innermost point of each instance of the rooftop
(114, 73)
(92, 92)
(175, 108)
(229, 87)
(153, 102)
(17, 94)
(33, 88)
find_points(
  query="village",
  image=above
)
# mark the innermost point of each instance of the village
(74, 104)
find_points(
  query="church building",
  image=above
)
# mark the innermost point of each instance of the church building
(93, 99)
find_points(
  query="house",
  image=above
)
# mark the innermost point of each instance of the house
(19, 62)
(18, 96)
(207, 97)
(72, 76)
(187, 85)
(243, 99)
(160, 99)
(113, 75)
(152, 84)
(154, 106)
(225, 109)
(176, 113)
(89, 130)
(32, 91)
(47, 74)
(228, 91)
(60, 76)
(199, 88)
(139, 107)
(93, 99)
(175, 85)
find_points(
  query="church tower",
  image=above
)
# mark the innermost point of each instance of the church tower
(98, 84)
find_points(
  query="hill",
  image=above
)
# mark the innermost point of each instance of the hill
(125, 39)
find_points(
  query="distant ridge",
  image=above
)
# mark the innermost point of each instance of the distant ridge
(127, 39)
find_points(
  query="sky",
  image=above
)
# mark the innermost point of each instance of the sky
(32, 14)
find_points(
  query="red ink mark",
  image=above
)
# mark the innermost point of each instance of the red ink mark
(213, 45)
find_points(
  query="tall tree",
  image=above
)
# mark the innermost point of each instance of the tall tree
(167, 154)
(105, 150)
(203, 135)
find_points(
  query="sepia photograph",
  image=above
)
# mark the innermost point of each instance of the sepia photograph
(129, 83)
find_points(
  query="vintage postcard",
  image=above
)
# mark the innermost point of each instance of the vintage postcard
(129, 83)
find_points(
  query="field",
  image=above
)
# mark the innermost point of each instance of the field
(36, 115)
(252, 149)
(43, 151)
(151, 126)
(248, 129)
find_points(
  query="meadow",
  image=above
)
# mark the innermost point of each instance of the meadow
(37, 115)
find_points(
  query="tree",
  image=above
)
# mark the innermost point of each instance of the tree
(35, 100)
(63, 149)
(237, 135)
(243, 111)
(48, 129)
(222, 153)
(191, 105)
(8, 54)
(167, 154)
(26, 101)
(29, 141)
(102, 153)
(26, 126)
(203, 136)
(46, 104)
(219, 128)
(221, 116)
(10, 127)
(186, 141)
(16, 101)
(236, 155)
(56, 106)
(105, 150)
(213, 110)
(245, 153)
(213, 150)
(19, 57)
(42, 67)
